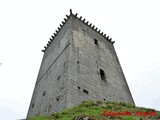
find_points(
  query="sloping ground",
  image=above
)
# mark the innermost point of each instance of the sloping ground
(99, 110)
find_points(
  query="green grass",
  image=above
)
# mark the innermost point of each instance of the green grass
(94, 109)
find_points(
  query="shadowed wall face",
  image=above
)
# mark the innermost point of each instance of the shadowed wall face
(50, 90)
(79, 64)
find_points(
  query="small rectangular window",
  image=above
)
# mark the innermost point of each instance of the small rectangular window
(102, 74)
(85, 91)
(44, 92)
(33, 105)
(58, 98)
(95, 41)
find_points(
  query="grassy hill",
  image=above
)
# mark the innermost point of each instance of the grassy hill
(100, 110)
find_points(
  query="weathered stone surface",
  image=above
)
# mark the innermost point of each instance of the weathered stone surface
(79, 64)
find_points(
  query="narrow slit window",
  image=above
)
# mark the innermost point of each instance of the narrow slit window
(103, 76)
(95, 41)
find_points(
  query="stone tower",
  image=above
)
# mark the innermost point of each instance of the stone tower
(79, 63)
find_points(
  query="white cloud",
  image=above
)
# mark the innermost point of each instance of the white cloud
(12, 109)
(145, 87)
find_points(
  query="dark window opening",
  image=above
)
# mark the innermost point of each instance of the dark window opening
(58, 77)
(44, 92)
(85, 91)
(95, 41)
(79, 87)
(57, 99)
(32, 105)
(102, 73)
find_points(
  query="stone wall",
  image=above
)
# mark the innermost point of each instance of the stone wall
(90, 53)
(78, 65)
(50, 89)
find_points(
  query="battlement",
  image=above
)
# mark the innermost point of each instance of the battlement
(82, 20)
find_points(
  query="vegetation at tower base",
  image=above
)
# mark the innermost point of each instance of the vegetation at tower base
(94, 110)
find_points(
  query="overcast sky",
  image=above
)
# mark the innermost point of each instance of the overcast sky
(26, 26)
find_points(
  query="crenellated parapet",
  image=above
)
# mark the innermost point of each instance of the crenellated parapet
(82, 20)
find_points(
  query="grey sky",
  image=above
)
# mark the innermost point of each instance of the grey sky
(26, 26)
